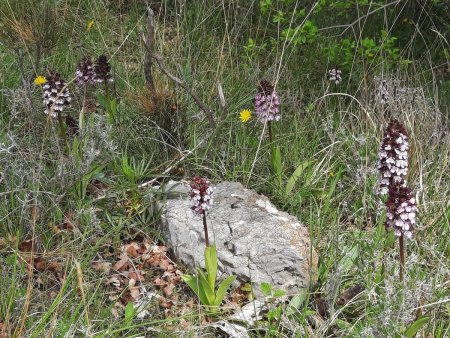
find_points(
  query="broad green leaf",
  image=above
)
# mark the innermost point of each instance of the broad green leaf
(129, 313)
(266, 289)
(207, 289)
(416, 326)
(296, 175)
(350, 255)
(276, 163)
(279, 293)
(113, 105)
(193, 283)
(222, 290)
(211, 265)
(295, 303)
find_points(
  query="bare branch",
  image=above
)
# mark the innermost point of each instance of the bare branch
(149, 41)
(179, 82)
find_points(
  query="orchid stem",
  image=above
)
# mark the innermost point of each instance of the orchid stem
(402, 256)
(205, 227)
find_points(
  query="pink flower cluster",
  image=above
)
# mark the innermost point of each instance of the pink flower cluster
(393, 168)
(335, 75)
(56, 94)
(401, 211)
(85, 73)
(393, 157)
(201, 193)
(88, 73)
(267, 103)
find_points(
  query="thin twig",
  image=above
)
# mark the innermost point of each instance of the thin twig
(181, 83)
(350, 25)
(148, 62)
(185, 153)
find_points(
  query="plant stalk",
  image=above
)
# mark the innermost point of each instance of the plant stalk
(205, 228)
(62, 132)
(402, 256)
(269, 124)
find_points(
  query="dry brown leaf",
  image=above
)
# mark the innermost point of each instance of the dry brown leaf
(136, 275)
(165, 303)
(55, 267)
(101, 266)
(40, 263)
(122, 264)
(168, 290)
(127, 298)
(135, 291)
(26, 246)
(349, 294)
(131, 250)
(143, 248)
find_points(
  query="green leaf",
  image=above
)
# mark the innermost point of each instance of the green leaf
(351, 254)
(296, 175)
(416, 326)
(222, 290)
(279, 293)
(333, 185)
(276, 164)
(390, 239)
(193, 282)
(129, 313)
(266, 289)
(295, 303)
(207, 289)
(342, 324)
(211, 265)
(101, 100)
(113, 106)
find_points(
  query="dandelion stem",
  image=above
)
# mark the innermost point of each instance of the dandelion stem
(205, 228)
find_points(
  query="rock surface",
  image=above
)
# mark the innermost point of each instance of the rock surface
(254, 240)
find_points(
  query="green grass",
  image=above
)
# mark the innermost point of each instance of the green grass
(334, 138)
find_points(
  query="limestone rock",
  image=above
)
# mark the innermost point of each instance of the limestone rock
(254, 240)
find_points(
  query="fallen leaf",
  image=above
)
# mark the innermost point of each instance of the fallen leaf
(131, 250)
(168, 290)
(40, 263)
(122, 264)
(26, 246)
(101, 266)
(135, 291)
(55, 267)
(127, 298)
(136, 275)
(349, 294)
(165, 303)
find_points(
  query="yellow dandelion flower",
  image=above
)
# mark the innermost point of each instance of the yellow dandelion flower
(40, 80)
(332, 173)
(245, 115)
(90, 25)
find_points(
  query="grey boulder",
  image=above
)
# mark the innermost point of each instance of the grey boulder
(255, 241)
